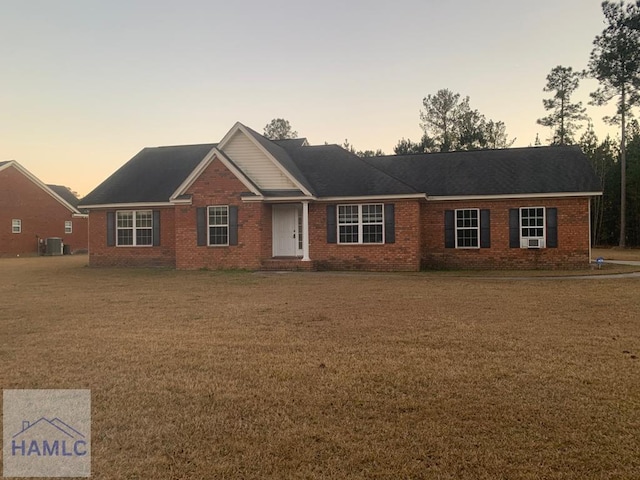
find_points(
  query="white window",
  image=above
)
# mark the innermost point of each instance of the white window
(218, 225)
(68, 226)
(468, 228)
(360, 223)
(134, 228)
(16, 225)
(532, 227)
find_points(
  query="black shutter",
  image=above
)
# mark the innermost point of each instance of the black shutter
(485, 228)
(552, 227)
(233, 225)
(389, 223)
(332, 234)
(201, 225)
(449, 229)
(514, 228)
(156, 228)
(111, 229)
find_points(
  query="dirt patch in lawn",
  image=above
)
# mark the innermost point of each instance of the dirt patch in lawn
(239, 375)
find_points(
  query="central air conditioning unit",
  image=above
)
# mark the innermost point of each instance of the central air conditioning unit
(532, 242)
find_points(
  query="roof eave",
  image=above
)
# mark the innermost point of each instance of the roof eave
(444, 198)
(127, 205)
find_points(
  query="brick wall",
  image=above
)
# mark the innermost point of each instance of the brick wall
(403, 255)
(41, 215)
(573, 237)
(101, 255)
(218, 186)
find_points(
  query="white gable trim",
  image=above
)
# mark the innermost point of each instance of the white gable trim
(513, 195)
(206, 161)
(38, 182)
(238, 127)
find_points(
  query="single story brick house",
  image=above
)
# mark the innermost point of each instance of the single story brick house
(249, 202)
(31, 212)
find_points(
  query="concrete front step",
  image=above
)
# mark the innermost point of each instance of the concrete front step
(288, 264)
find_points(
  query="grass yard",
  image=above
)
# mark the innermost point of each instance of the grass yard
(328, 376)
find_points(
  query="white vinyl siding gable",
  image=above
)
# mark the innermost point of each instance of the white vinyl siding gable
(255, 164)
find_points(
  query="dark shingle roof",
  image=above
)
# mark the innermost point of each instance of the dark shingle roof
(332, 171)
(66, 194)
(3, 162)
(153, 175)
(493, 172)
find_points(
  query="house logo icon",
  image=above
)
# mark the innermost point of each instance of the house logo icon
(46, 433)
(48, 438)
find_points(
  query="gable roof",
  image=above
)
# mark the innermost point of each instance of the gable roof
(152, 176)
(67, 199)
(157, 175)
(274, 151)
(513, 171)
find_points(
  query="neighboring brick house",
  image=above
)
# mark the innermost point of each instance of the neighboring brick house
(248, 202)
(31, 212)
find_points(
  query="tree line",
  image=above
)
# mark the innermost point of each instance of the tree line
(450, 123)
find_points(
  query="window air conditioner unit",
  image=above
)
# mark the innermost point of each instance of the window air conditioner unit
(532, 243)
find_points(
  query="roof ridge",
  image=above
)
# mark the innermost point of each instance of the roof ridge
(475, 150)
(185, 145)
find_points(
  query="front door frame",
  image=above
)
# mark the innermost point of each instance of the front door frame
(285, 230)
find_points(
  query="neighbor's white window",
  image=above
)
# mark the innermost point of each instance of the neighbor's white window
(68, 226)
(532, 227)
(361, 223)
(218, 225)
(16, 225)
(134, 228)
(468, 228)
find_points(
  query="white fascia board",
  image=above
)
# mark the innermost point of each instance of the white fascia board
(240, 127)
(181, 201)
(410, 196)
(134, 205)
(206, 161)
(39, 183)
(512, 196)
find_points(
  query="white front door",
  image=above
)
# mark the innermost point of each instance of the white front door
(285, 231)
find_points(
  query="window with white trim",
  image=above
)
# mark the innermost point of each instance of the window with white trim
(218, 225)
(532, 227)
(16, 225)
(68, 227)
(134, 228)
(468, 228)
(361, 223)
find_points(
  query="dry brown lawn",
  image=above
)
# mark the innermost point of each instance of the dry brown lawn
(327, 376)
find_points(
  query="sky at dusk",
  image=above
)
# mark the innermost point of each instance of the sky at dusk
(85, 85)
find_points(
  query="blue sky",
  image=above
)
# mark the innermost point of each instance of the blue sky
(84, 85)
